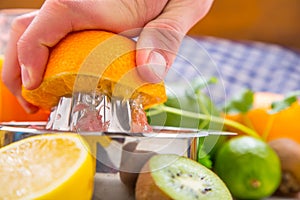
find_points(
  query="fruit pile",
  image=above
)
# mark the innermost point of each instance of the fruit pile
(275, 118)
(264, 159)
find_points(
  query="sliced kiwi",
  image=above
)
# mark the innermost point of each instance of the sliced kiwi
(171, 176)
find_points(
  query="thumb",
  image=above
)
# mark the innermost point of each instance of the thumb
(160, 39)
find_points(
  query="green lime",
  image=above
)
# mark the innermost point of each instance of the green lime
(249, 167)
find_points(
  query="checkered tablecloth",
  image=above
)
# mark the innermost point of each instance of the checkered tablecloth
(237, 65)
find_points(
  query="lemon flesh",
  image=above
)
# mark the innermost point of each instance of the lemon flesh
(54, 166)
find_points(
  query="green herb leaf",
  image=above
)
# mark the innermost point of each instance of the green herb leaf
(241, 104)
(203, 157)
(205, 160)
(284, 103)
(199, 84)
(188, 98)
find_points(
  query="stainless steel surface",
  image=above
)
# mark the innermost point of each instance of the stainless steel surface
(121, 115)
(91, 112)
(157, 132)
(109, 147)
(60, 116)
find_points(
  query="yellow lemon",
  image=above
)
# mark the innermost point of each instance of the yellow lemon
(50, 166)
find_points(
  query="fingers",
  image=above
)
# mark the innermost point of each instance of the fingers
(157, 46)
(46, 29)
(156, 49)
(11, 73)
(31, 37)
(59, 17)
(160, 40)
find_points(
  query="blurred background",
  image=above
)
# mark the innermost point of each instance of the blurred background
(271, 21)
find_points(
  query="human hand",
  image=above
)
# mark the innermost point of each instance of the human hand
(162, 26)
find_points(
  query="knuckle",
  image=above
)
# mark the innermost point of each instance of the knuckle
(22, 43)
(19, 23)
(169, 29)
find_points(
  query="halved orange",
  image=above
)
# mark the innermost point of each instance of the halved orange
(93, 60)
(51, 166)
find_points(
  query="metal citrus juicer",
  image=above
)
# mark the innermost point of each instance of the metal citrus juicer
(104, 119)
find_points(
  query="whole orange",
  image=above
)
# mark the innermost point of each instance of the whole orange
(283, 124)
(11, 110)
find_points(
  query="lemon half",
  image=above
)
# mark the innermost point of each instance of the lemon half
(51, 166)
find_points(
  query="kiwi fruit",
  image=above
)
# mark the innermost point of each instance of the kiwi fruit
(168, 176)
(288, 152)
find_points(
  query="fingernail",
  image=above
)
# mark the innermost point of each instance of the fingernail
(157, 64)
(25, 76)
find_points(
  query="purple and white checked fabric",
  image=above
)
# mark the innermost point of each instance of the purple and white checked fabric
(237, 65)
(6, 18)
